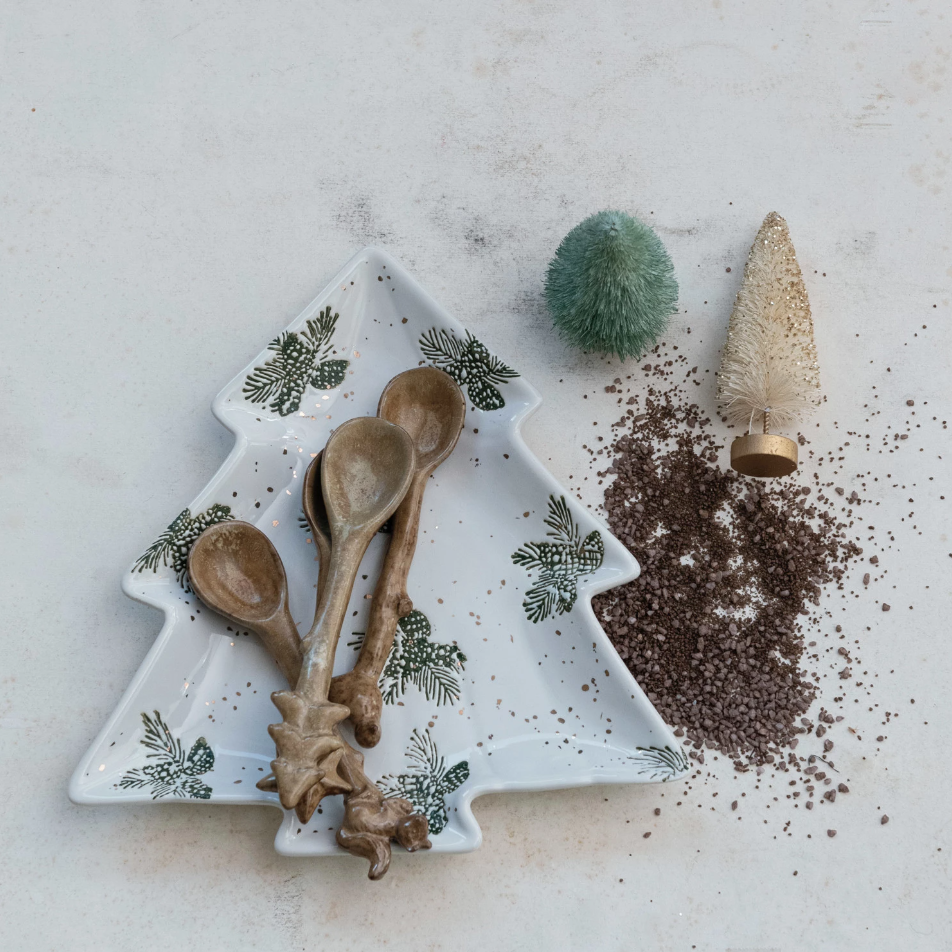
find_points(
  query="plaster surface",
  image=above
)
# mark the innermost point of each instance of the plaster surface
(179, 179)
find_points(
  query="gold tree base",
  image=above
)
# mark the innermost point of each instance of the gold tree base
(763, 454)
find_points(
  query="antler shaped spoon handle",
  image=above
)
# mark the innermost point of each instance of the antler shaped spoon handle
(235, 570)
(365, 471)
(430, 406)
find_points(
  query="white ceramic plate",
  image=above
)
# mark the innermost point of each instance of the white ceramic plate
(502, 679)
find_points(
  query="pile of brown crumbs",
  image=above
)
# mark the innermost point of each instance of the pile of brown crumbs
(732, 569)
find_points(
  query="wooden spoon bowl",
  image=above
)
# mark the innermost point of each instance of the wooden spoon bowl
(365, 471)
(429, 405)
(237, 572)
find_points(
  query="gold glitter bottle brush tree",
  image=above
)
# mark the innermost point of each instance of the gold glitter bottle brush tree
(769, 375)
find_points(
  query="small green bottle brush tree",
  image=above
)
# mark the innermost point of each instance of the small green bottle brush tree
(610, 287)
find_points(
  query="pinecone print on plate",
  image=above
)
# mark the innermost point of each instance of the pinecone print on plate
(432, 668)
(173, 771)
(560, 563)
(427, 782)
(299, 361)
(173, 545)
(470, 364)
(660, 763)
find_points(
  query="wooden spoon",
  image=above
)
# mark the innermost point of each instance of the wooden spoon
(430, 406)
(236, 571)
(316, 514)
(366, 468)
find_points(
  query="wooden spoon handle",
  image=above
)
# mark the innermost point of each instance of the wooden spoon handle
(312, 759)
(370, 820)
(308, 745)
(391, 601)
(281, 640)
(320, 643)
(358, 690)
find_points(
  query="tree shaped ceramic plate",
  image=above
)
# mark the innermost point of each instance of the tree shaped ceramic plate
(500, 679)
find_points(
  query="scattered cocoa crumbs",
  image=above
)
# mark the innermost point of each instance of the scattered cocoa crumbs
(725, 629)
(884, 820)
(831, 833)
(713, 628)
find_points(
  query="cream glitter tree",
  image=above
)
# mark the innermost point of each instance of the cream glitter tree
(769, 374)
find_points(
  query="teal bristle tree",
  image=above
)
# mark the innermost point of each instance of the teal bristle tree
(611, 286)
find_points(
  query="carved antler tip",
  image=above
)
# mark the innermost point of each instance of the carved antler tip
(293, 781)
(361, 696)
(367, 733)
(412, 833)
(309, 716)
(310, 802)
(269, 784)
(370, 822)
(372, 846)
(290, 705)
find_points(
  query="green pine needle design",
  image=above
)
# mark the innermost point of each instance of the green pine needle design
(660, 763)
(470, 364)
(173, 772)
(174, 544)
(299, 361)
(427, 782)
(560, 564)
(433, 669)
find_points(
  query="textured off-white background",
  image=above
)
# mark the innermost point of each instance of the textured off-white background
(178, 179)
